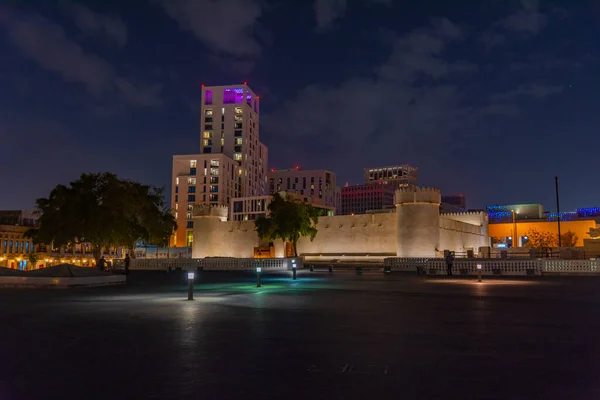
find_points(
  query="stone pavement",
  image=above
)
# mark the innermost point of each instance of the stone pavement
(320, 337)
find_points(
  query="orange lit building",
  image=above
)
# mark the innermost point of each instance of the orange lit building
(503, 233)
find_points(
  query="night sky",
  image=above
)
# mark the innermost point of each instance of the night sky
(490, 99)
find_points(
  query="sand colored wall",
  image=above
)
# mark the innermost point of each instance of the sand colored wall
(415, 230)
(460, 236)
(364, 233)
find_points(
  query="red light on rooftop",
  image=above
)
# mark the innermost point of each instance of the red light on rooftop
(258, 97)
(297, 167)
(272, 169)
(245, 83)
(202, 85)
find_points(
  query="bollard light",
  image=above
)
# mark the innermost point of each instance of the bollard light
(258, 271)
(294, 269)
(479, 272)
(191, 276)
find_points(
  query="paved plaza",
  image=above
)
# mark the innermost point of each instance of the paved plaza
(338, 336)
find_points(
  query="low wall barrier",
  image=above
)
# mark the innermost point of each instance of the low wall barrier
(571, 266)
(163, 264)
(438, 266)
(215, 264)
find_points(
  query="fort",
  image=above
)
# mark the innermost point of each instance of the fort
(416, 229)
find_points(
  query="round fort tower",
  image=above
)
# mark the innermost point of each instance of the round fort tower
(207, 220)
(418, 221)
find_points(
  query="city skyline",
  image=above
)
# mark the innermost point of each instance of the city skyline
(493, 107)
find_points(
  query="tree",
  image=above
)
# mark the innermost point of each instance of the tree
(104, 211)
(540, 239)
(32, 260)
(568, 239)
(289, 220)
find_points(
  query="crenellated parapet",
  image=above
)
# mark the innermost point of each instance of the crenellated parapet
(418, 195)
(206, 210)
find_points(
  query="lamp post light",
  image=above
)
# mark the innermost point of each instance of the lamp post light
(191, 276)
(258, 271)
(294, 269)
(479, 272)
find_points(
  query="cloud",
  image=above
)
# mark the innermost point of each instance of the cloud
(226, 26)
(528, 19)
(329, 11)
(535, 91)
(97, 24)
(406, 106)
(525, 20)
(46, 43)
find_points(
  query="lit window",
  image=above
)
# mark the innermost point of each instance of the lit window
(190, 206)
(192, 181)
(207, 142)
(207, 134)
(208, 97)
(177, 206)
(214, 171)
(237, 157)
(208, 113)
(189, 238)
(238, 141)
(177, 181)
(214, 163)
(193, 163)
(222, 142)
(176, 214)
(239, 110)
(239, 118)
(188, 215)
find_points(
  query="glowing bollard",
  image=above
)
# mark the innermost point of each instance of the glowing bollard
(258, 271)
(191, 285)
(294, 269)
(479, 272)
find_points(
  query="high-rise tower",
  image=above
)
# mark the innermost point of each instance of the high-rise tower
(230, 125)
(232, 162)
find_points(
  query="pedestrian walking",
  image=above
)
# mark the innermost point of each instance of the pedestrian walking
(101, 263)
(127, 261)
(449, 262)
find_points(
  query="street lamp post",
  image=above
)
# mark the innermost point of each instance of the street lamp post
(479, 272)
(191, 285)
(294, 269)
(258, 271)
(515, 240)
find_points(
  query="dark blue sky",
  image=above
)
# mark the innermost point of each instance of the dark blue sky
(491, 99)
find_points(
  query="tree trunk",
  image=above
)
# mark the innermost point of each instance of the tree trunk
(96, 252)
(294, 243)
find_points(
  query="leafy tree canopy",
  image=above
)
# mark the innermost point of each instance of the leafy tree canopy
(104, 211)
(540, 239)
(568, 239)
(289, 220)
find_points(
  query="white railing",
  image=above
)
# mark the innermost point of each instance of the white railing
(215, 264)
(163, 264)
(241, 264)
(435, 266)
(404, 263)
(571, 266)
